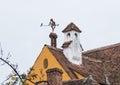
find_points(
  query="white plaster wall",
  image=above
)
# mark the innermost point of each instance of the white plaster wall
(68, 53)
(77, 53)
(74, 51)
(72, 36)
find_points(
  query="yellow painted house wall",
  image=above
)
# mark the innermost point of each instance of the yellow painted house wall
(52, 63)
(79, 75)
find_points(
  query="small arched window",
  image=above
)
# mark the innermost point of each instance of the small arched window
(45, 63)
(68, 35)
(76, 35)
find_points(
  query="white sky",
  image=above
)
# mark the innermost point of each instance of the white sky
(21, 34)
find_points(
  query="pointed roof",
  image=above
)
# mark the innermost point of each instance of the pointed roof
(70, 27)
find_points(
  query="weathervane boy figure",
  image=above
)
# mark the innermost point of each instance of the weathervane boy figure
(52, 24)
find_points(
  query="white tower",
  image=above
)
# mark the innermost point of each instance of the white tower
(72, 48)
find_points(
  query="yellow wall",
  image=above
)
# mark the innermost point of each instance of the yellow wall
(52, 63)
(79, 75)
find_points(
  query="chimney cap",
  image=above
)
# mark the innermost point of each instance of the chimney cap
(54, 70)
(52, 34)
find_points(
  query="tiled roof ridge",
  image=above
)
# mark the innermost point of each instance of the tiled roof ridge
(101, 48)
(54, 48)
(92, 59)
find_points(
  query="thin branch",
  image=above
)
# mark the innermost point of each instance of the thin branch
(12, 68)
(8, 78)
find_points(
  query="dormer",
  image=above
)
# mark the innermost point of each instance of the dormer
(71, 47)
(71, 32)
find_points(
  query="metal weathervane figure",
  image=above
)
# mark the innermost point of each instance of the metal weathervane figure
(52, 24)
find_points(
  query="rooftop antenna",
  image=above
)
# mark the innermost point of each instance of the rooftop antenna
(52, 24)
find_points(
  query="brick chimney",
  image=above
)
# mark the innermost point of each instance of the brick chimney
(53, 37)
(54, 76)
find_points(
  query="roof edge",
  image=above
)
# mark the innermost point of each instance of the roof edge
(101, 48)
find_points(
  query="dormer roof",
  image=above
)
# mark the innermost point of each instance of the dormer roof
(66, 44)
(71, 27)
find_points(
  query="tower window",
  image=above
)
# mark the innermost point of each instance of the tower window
(76, 35)
(68, 35)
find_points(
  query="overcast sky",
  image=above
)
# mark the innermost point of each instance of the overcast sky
(22, 36)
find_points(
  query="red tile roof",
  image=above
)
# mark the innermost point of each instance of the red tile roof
(70, 27)
(98, 63)
(110, 61)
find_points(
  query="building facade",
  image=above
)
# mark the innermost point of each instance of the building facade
(103, 63)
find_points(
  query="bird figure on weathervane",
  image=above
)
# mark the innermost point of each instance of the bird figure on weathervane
(52, 24)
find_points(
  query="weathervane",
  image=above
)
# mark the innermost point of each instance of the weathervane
(52, 24)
